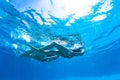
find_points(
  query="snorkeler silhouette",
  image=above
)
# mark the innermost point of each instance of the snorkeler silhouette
(46, 55)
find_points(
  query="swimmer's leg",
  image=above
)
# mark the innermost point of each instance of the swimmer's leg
(44, 56)
(34, 51)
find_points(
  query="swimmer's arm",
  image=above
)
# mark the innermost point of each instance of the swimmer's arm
(26, 54)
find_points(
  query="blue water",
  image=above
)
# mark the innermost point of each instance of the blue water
(21, 21)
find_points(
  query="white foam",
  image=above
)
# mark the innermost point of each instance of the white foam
(105, 7)
(26, 37)
(15, 46)
(98, 18)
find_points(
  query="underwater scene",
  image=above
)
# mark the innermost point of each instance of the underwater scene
(59, 40)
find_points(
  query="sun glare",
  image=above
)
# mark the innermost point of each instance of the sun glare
(77, 7)
(64, 8)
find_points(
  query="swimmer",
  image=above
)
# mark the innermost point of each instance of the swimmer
(46, 55)
(40, 55)
(64, 52)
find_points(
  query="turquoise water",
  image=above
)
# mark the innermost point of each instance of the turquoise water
(97, 22)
